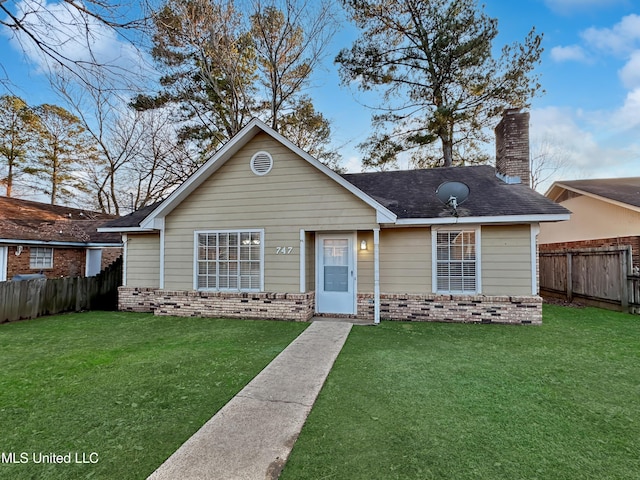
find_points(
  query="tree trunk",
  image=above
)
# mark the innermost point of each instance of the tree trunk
(447, 150)
(9, 179)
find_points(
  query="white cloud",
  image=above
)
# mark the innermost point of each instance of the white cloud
(627, 117)
(73, 38)
(353, 164)
(630, 73)
(621, 39)
(589, 157)
(569, 53)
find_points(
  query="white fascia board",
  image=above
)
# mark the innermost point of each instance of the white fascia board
(124, 230)
(383, 217)
(558, 217)
(229, 149)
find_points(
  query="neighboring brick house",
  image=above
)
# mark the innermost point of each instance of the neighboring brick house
(54, 240)
(605, 213)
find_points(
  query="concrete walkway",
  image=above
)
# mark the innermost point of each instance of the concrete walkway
(252, 435)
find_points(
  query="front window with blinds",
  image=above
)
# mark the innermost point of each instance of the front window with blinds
(456, 270)
(40, 258)
(229, 260)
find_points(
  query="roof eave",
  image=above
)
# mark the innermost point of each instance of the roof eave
(501, 219)
(55, 243)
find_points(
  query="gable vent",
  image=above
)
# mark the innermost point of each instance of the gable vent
(261, 163)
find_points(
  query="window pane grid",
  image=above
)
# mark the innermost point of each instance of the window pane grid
(229, 261)
(456, 261)
(41, 257)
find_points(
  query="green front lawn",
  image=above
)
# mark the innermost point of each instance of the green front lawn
(125, 390)
(443, 401)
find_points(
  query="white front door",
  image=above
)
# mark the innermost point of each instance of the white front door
(336, 268)
(3, 263)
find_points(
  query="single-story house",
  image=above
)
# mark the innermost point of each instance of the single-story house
(605, 213)
(53, 240)
(264, 230)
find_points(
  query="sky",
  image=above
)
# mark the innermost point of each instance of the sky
(590, 71)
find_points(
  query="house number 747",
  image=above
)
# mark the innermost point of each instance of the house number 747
(284, 250)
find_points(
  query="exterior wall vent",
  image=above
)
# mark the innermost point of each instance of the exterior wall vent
(261, 163)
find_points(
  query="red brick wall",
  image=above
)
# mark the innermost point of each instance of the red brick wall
(110, 255)
(67, 262)
(634, 242)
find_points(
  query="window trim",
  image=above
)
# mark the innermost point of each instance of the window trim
(238, 231)
(31, 258)
(434, 258)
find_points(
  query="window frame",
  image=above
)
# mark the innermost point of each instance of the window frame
(217, 288)
(434, 258)
(33, 256)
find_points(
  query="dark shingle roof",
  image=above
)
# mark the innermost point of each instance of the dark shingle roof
(625, 190)
(133, 219)
(27, 220)
(412, 193)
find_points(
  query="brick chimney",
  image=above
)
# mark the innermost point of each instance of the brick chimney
(512, 147)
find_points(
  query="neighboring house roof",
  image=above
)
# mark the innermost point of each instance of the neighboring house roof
(621, 191)
(398, 197)
(131, 221)
(26, 221)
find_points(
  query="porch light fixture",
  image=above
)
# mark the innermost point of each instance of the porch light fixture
(363, 245)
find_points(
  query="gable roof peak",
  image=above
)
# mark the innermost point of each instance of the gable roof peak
(622, 190)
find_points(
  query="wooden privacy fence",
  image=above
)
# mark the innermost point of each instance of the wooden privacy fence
(35, 298)
(601, 277)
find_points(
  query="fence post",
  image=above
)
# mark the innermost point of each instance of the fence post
(625, 255)
(569, 277)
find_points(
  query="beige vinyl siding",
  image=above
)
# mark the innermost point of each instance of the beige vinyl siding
(591, 219)
(405, 260)
(143, 260)
(293, 196)
(506, 260)
(365, 263)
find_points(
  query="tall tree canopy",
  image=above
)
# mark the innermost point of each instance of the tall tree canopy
(17, 124)
(433, 60)
(223, 65)
(209, 69)
(62, 151)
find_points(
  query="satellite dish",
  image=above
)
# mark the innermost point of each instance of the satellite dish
(452, 193)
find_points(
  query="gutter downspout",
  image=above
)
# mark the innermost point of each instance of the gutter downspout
(376, 276)
(303, 252)
(535, 230)
(162, 239)
(125, 241)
